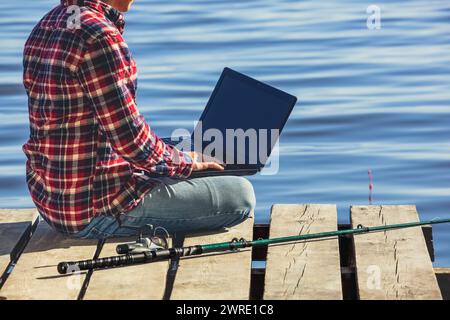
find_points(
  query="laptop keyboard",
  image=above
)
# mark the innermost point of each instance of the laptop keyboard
(231, 167)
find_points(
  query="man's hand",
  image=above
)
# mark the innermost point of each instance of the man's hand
(202, 162)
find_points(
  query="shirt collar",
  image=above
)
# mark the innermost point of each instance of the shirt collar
(112, 14)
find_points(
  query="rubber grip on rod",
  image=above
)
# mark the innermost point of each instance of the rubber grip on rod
(117, 261)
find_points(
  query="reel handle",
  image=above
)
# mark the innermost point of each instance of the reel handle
(142, 245)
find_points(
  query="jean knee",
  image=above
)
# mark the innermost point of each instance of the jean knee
(248, 194)
(241, 195)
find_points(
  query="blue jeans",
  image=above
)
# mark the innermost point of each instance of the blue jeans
(182, 206)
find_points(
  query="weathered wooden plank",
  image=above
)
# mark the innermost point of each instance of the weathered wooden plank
(221, 276)
(35, 275)
(393, 264)
(303, 270)
(146, 281)
(14, 224)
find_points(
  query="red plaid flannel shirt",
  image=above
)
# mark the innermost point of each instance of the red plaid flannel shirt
(88, 143)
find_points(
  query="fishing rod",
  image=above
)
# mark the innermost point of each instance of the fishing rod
(146, 250)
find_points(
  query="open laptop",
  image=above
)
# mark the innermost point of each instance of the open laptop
(249, 115)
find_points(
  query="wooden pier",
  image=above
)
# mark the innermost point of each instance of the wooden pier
(384, 265)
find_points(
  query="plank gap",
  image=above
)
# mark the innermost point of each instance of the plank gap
(259, 254)
(347, 262)
(87, 279)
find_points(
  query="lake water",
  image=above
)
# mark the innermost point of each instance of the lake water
(368, 99)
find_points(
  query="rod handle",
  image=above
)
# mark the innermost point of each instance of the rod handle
(109, 262)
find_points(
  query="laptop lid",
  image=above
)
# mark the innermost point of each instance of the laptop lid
(242, 120)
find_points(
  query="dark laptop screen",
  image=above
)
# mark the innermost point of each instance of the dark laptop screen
(240, 102)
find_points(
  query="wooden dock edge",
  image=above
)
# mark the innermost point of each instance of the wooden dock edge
(261, 230)
(29, 219)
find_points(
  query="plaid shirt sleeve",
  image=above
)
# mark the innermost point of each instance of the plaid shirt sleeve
(104, 77)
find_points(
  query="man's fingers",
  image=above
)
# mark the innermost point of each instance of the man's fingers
(202, 162)
(212, 165)
(211, 159)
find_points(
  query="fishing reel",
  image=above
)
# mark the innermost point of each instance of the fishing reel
(145, 244)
